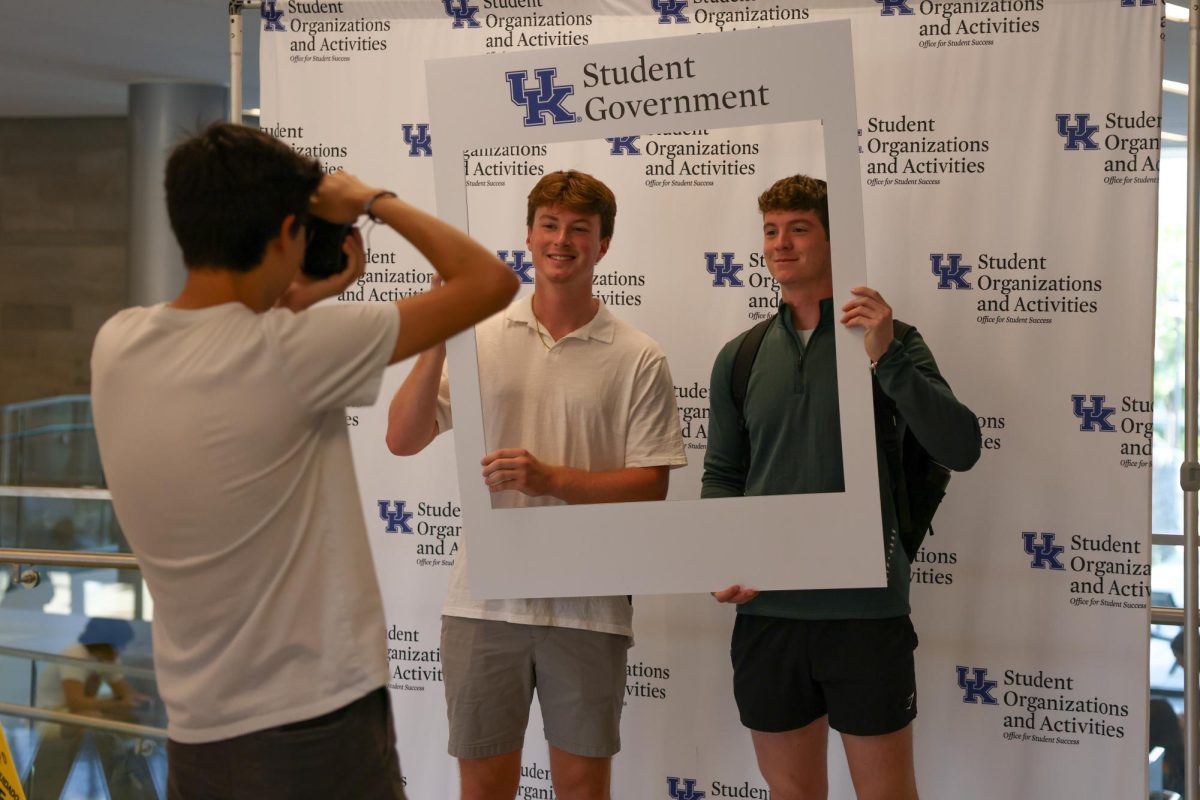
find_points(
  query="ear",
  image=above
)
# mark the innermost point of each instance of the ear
(289, 231)
(528, 231)
(603, 247)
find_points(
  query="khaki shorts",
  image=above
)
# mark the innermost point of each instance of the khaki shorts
(492, 669)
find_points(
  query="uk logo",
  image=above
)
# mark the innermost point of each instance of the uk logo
(396, 518)
(541, 99)
(893, 7)
(670, 11)
(462, 12)
(1045, 554)
(977, 689)
(951, 273)
(1093, 417)
(1131, 3)
(724, 272)
(1078, 135)
(623, 145)
(684, 789)
(271, 17)
(517, 264)
(419, 142)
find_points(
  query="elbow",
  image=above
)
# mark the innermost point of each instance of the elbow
(502, 287)
(658, 491)
(964, 463)
(969, 456)
(408, 440)
(401, 444)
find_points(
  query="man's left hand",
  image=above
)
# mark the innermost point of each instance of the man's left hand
(736, 594)
(869, 311)
(519, 470)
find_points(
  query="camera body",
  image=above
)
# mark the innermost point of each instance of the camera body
(323, 254)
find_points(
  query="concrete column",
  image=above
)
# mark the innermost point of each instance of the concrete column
(160, 116)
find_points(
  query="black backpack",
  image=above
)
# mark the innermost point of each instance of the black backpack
(918, 482)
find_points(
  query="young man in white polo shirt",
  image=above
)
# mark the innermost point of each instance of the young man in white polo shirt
(578, 407)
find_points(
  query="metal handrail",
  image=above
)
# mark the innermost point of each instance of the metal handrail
(56, 492)
(79, 720)
(93, 666)
(63, 558)
(1167, 615)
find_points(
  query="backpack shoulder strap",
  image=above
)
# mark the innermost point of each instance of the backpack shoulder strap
(743, 361)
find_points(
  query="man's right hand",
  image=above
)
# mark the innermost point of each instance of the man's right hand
(340, 197)
(735, 594)
(304, 291)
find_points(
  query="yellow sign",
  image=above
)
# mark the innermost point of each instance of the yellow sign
(10, 784)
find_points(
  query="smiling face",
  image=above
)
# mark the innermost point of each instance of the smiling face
(796, 247)
(565, 245)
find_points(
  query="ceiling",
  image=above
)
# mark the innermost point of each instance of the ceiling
(77, 57)
(74, 58)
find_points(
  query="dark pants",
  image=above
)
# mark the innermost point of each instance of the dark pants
(348, 753)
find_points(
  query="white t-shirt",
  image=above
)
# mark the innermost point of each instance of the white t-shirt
(223, 438)
(600, 398)
(51, 675)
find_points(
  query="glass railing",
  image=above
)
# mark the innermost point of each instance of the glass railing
(52, 491)
(87, 721)
(57, 761)
(79, 724)
(49, 442)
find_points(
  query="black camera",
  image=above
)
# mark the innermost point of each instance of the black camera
(323, 254)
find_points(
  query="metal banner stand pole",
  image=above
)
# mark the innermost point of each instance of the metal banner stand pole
(1189, 476)
(236, 36)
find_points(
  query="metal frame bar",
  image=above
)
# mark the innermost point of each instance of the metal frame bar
(80, 721)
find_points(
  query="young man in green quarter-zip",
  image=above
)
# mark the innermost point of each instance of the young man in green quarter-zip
(806, 661)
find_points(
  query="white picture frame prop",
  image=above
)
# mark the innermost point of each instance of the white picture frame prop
(744, 78)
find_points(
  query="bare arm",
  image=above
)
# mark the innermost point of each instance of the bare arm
(79, 701)
(519, 470)
(412, 415)
(477, 284)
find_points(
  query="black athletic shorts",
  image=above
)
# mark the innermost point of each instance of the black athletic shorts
(790, 672)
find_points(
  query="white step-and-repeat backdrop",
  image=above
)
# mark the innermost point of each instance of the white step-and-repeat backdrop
(1009, 153)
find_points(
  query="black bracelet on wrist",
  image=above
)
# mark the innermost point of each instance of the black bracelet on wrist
(371, 202)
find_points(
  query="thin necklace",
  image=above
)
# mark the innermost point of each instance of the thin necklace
(538, 327)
